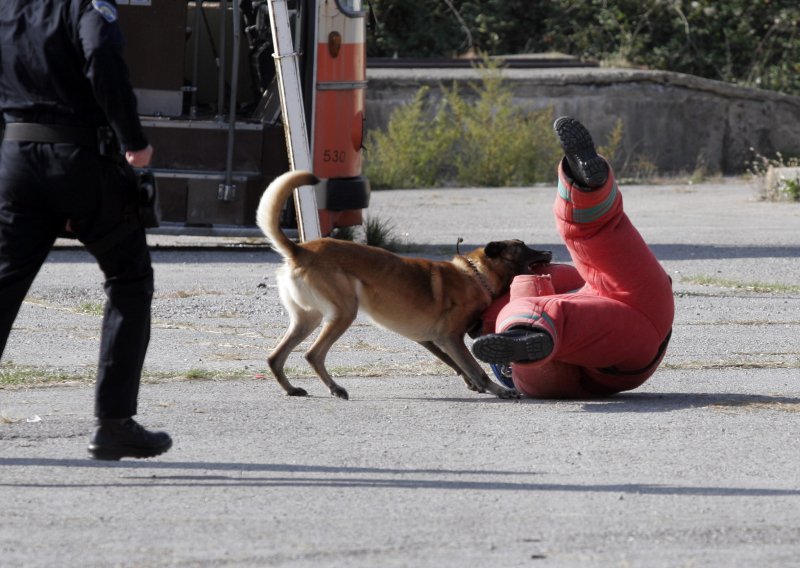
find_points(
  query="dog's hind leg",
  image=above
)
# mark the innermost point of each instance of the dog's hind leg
(331, 331)
(447, 360)
(303, 322)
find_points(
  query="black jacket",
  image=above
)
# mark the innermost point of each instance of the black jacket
(61, 62)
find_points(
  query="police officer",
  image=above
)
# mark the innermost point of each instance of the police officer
(72, 134)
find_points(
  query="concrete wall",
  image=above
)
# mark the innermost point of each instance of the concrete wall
(673, 120)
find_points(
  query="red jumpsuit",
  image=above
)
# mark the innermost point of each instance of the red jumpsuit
(610, 316)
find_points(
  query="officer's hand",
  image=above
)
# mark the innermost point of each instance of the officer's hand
(140, 158)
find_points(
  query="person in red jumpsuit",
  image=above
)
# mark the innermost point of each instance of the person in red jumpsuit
(596, 328)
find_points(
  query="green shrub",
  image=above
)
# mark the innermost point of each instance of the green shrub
(498, 144)
(382, 234)
(791, 187)
(374, 232)
(770, 183)
(485, 140)
(414, 148)
(611, 150)
(344, 233)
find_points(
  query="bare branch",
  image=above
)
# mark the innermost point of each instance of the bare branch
(470, 42)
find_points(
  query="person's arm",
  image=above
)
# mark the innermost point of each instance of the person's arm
(102, 44)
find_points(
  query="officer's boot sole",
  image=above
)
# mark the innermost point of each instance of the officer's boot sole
(507, 347)
(116, 453)
(588, 169)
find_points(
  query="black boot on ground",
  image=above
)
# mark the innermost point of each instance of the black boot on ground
(125, 438)
(585, 166)
(517, 345)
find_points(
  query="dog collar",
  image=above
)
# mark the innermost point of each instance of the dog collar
(481, 277)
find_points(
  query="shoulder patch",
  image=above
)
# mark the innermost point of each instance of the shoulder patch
(106, 9)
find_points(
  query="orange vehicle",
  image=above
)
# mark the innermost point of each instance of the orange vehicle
(338, 118)
(209, 98)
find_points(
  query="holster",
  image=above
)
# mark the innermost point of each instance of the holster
(149, 207)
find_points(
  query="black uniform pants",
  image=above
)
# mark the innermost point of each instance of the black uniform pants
(41, 187)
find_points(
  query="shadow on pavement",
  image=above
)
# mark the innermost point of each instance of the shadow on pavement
(645, 401)
(338, 477)
(668, 402)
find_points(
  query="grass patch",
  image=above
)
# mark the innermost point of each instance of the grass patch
(22, 376)
(197, 374)
(745, 322)
(422, 369)
(778, 406)
(708, 365)
(85, 307)
(90, 308)
(226, 315)
(12, 375)
(761, 287)
(180, 294)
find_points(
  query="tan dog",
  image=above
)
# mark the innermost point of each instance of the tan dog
(433, 303)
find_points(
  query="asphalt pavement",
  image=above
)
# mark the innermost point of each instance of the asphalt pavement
(698, 467)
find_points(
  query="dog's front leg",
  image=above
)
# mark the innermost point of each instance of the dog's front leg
(445, 358)
(458, 352)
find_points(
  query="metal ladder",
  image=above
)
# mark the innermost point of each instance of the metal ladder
(294, 121)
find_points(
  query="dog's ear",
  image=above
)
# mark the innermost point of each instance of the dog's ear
(495, 248)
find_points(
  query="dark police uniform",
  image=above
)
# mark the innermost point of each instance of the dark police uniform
(63, 79)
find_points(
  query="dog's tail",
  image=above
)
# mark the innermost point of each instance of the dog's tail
(268, 214)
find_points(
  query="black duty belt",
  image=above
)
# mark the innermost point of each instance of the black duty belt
(101, 139)
(50, 134)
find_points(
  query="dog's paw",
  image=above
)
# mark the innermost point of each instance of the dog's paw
(509, 394)
(295, 391)
(339, 392)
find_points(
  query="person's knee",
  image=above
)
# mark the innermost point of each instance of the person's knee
(135, 288)
(129, 275)
(127, 265)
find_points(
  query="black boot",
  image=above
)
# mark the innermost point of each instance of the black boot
(517, 345)
(585, 166)
(125, 438)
